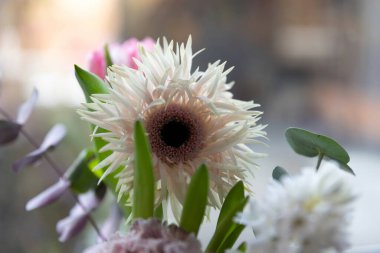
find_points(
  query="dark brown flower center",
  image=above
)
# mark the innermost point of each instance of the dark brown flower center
(176, 133)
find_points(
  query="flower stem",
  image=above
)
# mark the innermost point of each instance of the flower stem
(59, 173)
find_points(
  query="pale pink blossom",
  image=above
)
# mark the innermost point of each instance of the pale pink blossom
(121, 54)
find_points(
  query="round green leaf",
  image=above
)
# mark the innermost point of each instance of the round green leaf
(310, 144)
(278, 173)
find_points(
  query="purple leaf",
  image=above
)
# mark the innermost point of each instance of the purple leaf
(49, 195)
(70, 226)
(26, 108)
(53, 137)
(8, 131)
(77, 219)
(51, 140)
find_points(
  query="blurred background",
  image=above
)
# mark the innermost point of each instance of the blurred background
(311, 64)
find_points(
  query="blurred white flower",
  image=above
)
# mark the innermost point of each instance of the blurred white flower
(190, 116)
(307, 213)
(150, 236)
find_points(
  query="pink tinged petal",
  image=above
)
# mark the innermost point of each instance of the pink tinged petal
(52, 139)
(49, 195)
(26, 108)
(148, 43)
(8, 131)
(97, 63)
(73, 224)
(130, 50)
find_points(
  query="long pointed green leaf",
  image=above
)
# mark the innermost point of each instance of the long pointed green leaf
(107, 55)
(90, 83)
(158, 212)
(222, 229)
(234, 197)
(231, 239)
(143, 184)
(195, 202)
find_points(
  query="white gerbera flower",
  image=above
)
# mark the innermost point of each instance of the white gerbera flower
(190, 117)
(307, 213)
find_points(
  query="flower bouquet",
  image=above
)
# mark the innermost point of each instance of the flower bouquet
(171, 143)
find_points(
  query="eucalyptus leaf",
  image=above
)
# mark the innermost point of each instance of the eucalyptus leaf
(346, 168)
(233, 198)
(196, 201)
(278, 173)
(79, 173)
(224, 227)
(143, 184)
(311, 144)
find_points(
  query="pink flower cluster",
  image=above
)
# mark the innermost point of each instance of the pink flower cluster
(121, 54)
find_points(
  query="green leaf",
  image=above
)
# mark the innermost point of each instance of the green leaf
(278, 173)
(107, 56)
(143, 184)
(242, 247)
(346, 168)
(233, 198)
(90, 83)
(79, 173)
(224, 227)
(311, 144)
(229, 242)
(158, 212)
(195, 202)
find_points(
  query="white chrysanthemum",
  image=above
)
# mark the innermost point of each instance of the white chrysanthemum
(303, 214)
(190, 117)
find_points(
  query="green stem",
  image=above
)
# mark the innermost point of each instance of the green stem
(320, 157)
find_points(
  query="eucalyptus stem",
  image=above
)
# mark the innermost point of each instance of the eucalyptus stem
(59, 173)
(320, 157)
